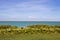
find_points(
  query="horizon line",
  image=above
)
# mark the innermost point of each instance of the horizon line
(54, 21)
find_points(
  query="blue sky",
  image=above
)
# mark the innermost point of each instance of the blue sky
(29, 10)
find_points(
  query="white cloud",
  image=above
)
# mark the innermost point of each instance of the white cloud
(32, 17)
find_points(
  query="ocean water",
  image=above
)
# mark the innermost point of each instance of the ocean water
(26, 23)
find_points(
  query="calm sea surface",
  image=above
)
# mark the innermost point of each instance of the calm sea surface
(26, 23)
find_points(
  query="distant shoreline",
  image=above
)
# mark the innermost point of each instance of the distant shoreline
(39, 21)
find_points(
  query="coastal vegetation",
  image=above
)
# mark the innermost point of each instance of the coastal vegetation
(31, 32)
(29, 29)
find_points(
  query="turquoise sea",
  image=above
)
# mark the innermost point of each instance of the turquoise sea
(26, 23)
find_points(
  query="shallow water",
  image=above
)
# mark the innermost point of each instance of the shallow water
(26, 23)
